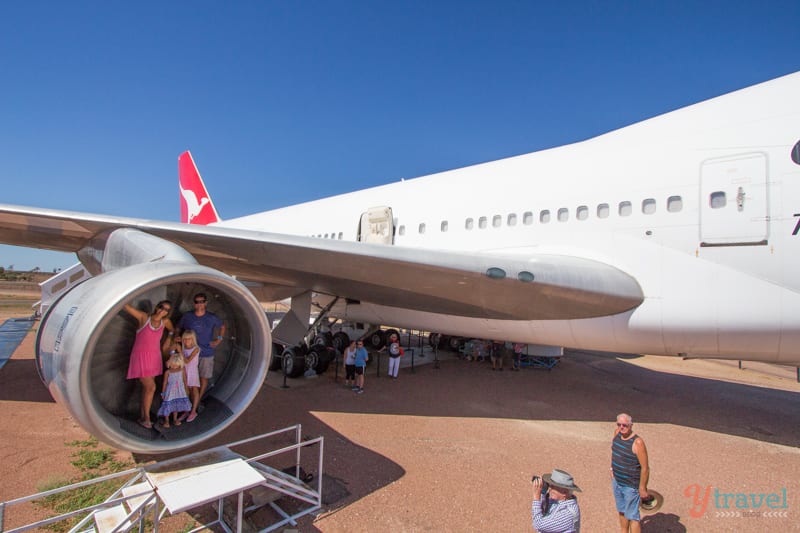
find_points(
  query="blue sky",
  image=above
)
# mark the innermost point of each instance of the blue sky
(284, 102)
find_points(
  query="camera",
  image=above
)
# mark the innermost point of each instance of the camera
(545, 486)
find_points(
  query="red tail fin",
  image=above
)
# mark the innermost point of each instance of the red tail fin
(196, 204)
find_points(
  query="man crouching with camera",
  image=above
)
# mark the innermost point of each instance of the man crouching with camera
(555, 508)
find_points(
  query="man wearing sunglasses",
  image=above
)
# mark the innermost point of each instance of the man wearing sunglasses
(210, 330)
(631, 472)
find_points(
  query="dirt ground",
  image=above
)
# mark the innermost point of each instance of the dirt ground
(453, 448)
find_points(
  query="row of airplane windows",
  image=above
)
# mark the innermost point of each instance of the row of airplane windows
(624, 209)
(674, 204)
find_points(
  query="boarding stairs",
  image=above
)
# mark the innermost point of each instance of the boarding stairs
(53, 288)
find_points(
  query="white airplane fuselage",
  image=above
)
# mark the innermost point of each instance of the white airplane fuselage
(698, 205)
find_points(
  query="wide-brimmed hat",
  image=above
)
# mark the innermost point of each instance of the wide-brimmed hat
(653, 503)
(561, 479)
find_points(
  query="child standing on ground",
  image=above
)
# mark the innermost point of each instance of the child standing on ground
(395, 353)
(175, 397)
(191, 352)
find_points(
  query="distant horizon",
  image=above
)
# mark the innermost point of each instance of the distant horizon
(33, 270)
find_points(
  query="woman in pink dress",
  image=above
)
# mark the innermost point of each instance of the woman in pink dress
(146, 356)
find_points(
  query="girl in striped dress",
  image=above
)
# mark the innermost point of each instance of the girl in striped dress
(174, 395)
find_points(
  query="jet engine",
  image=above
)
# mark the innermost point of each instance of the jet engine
(85, 338)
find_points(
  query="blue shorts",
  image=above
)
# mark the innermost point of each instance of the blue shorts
(627, 499)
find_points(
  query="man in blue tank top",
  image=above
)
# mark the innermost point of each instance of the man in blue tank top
(631, 472)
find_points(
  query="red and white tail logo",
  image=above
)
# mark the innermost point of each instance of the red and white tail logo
(196, 204)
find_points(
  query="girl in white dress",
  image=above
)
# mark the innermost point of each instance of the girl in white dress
(191, 354)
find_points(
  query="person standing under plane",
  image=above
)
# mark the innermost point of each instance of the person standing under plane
(350, 365)
(395, 353)
(361, 366)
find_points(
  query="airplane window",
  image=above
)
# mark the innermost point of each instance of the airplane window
(469, 223)
(496, 273)
(527, 218)
(563, 214)
(717, 200)
(582, 213)
(341, 235)
(796, 153)
(443, 226)
(422, 227)
(402, 230)
(602, 211)
(674, 204)
(648, 206)
(482, 222)
(512, 219)
(525, 276)
(496, 221)
(544, 216)
(625, 209)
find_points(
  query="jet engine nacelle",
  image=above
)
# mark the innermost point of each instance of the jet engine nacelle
(84, 343)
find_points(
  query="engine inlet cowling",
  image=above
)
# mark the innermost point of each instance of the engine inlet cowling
(85, 339)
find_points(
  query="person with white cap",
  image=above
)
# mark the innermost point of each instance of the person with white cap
(563, 514)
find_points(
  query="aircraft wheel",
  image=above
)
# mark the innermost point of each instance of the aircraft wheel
(311, 359)
(323, 339)
(293, 362)
(377, 340)
(276, 360)
(454, 343)
(341, 340)
(324, 360)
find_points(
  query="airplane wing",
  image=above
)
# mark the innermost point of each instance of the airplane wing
(538, 286)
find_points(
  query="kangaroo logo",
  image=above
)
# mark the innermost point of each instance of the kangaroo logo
(193, 206)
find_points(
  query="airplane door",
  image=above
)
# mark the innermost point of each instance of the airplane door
(734, 205)
(377, 225)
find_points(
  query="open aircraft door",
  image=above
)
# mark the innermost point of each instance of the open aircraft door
(734, 206)
(377, 226)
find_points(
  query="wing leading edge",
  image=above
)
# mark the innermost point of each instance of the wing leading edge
(534, 287)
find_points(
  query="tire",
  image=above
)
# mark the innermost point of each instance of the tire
(314, 358)
(323, 339)
(341, 341)
(377, 339)
(324, 360)
(388, 334)
(454, 343)
(276, 361)
(293, 362)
